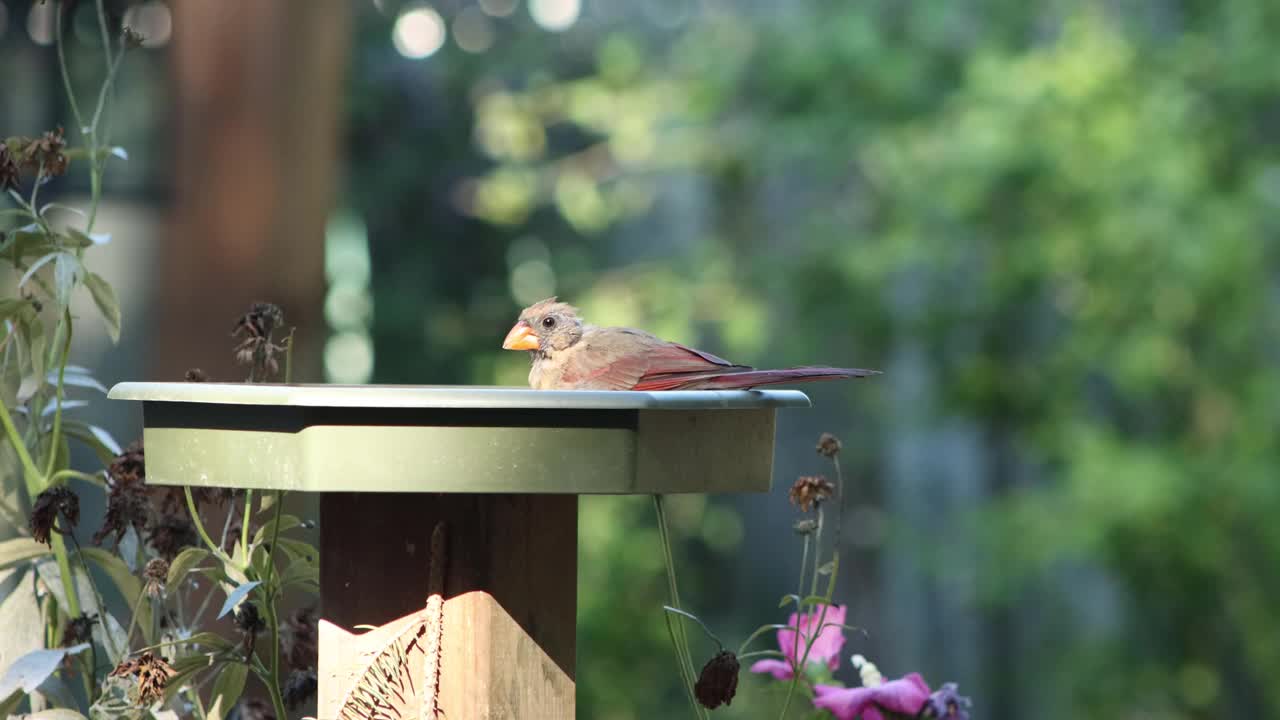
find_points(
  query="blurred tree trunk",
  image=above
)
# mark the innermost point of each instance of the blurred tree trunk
(257, 101)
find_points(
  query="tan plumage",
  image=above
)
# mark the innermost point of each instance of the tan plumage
(569, 354)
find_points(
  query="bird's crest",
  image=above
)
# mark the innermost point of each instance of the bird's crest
(549, 306)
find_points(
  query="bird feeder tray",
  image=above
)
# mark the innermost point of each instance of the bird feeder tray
(501, 468)
(325, 438)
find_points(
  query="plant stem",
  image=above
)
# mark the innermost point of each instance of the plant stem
(795, 650)
(35, 481)
(698, 620)
(761, 653)
(271, 593)
(288, 358)
(817, 552)
(68, 473)
(742, 649)
(66, 76)
(64, 569)
(97, 598)
(57, 395)
(679, 638)
(277, 700)
(133, 620)
(195, 519)
(244, 527)
(106, 39)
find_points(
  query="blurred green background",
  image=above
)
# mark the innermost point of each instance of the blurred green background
(1052, 224)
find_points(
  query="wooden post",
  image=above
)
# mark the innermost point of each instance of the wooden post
(509, 634)
(257, 92)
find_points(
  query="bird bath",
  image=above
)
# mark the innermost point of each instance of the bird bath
(501, 467)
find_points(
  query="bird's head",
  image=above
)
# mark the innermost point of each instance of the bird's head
(545, 327)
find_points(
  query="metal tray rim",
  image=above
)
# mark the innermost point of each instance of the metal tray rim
(451, 396)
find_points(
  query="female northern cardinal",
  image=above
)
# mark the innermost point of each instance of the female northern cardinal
(569, 354)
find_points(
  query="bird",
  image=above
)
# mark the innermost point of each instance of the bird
(570, 354)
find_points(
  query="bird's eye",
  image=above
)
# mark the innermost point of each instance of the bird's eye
(548, 322)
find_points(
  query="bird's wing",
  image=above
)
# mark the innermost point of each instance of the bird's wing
(625, 359)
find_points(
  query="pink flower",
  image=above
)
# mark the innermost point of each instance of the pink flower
(905, 696)
(826, 646)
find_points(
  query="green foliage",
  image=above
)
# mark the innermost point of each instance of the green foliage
(137, 651)
(1068, 213)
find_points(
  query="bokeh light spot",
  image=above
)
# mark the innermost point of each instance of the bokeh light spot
(153, 21)
(531, 281)
(348, 358)
(40, 23)
(498, 8)
(418, 33)
(555, 15)
(473, 31)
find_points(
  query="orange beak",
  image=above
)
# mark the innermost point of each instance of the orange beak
(521, 337)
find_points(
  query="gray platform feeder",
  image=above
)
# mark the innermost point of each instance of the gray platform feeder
(501, 467)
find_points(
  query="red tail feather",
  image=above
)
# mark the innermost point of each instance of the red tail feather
(745, 379)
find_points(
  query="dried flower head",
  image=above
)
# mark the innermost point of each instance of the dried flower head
(828, 445)
(127, 500)
(9, 173)
(130, 38)
(298, 639)
(156, 574)
(255, 709)
(79, 629)
(810, 490)
(169, 534)
(248, 619)
(299, 688)
(49, 505)
(152, 673)
(196, 375)
(947, 702)
(129, 466)
(45, 153)
(718, 682)
(257, 350)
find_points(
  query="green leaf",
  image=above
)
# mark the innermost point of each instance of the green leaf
(9, 705)
(27, 672)
(299, 550)
(44, 260)
(87, 240)
(59, 206)
(56, 714)
(31, 352)
(78, 379)
(182, 564)
(9, 307)
(227, 689)
(287, 522)
(210, 640)
(105, 298)
(129, 586)
(30, 241)
(15, 212)
(98, 439)
(301, 573)
(19, 550)
(235, 597)
(66, 271)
